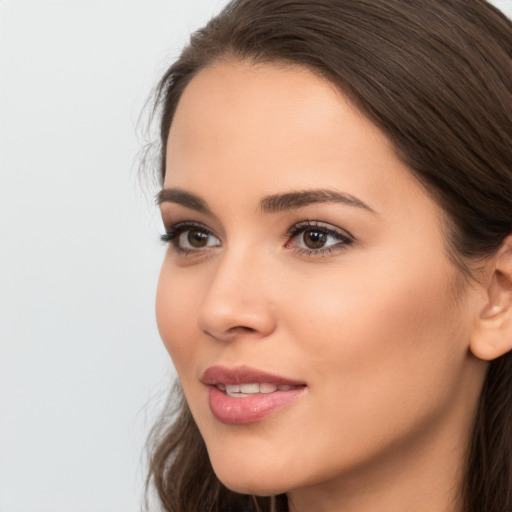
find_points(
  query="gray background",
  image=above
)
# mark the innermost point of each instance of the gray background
(82, 370)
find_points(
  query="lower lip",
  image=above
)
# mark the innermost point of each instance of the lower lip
(249, 409)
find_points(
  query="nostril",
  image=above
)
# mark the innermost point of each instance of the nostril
(231, 333)
(239, 329)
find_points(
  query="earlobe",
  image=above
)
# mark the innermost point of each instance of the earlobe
(491, 336)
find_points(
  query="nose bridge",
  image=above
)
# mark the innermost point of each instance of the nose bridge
(238, 296)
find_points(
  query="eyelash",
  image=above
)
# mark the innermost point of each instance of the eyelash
(344, 238)
(173, 233)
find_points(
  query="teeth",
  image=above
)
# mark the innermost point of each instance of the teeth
(232, 388)
(252, 388)
(267, 388)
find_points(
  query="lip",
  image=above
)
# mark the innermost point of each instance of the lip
(251, 408)
(240, 374)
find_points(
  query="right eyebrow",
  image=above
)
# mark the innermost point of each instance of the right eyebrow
(180, 196)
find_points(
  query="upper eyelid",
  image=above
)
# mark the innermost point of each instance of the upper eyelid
(327, 226)
(297, 226)
(187, 224)
(171, 220)
(304, 224)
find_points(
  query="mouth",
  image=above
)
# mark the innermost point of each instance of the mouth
(254, 388)
(245, 395)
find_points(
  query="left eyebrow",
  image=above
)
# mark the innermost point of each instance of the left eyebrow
(299, 199)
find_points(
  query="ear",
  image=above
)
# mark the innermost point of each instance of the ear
(491, 336)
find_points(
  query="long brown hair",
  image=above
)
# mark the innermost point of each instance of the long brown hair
(436, 77)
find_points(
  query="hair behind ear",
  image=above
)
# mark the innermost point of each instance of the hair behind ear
(488, 482)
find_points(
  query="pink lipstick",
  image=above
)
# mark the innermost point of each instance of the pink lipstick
(243, 395)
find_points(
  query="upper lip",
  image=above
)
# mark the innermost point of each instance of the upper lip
(244, 374)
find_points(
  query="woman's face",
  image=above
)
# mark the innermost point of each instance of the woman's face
(307, 264)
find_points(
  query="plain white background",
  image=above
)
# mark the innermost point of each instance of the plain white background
(82, 369)
(80, 355)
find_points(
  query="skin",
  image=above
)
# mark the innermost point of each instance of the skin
(378, 328)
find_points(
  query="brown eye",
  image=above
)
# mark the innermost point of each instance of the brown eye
(191, 238)
(197, 238)
(314, 239)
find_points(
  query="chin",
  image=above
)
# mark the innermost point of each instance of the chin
(251, 485)
(249, 477)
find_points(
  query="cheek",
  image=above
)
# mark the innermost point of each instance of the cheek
(384, 362)
(379, 347)
(384, 302)
(175, 307)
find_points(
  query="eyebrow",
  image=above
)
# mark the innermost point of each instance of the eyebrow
(299, 199)
(179, 196)
(269, 204)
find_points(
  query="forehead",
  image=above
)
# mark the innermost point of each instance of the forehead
(286, 91)
(263, 117)
(268, 128)
(265, 100)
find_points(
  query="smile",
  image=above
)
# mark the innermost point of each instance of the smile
(244, 395)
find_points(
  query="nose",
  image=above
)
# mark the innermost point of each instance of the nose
(238, 301)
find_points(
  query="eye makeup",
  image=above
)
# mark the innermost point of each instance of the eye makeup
(190, 237)
(309, 237)
(315, 238)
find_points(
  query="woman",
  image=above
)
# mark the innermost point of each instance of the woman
(336, 295)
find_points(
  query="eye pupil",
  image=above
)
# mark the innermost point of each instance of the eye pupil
(314, 239)
(197, 238)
